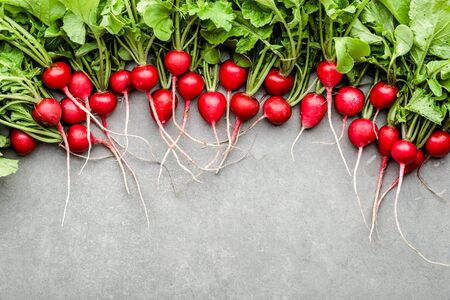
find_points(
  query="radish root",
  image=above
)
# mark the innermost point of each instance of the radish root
(360, 150)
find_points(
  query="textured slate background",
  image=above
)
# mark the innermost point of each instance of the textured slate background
(265, 228)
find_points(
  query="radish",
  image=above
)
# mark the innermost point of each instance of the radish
(329, 76)
(80, 85)
(276, 110)
(438, 144)
(189, 86)
(120, 83)
(162, 100)
(361, 133)
(57, 76)
(313, 108)
(404, 152)
(103, 103)
(417, 163)
(349, 101)
(77, 137)
(276, 84)
(71, 114)
(21, 142)
(382, 96)
(144, 78)
(387, 136)
(231, 77)
(48, 112)
(244, 107)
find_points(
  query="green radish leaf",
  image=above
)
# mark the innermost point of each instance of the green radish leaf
(404, 39)
(398, 8)
(220, 13)
(359, 30)
(431, 26)
(211, 55)
(425, 105)
(8, 166)
(157, 15)
(242, 60)
(435, 87)
(378, 17)
(124, 54)
(86, 48)
(255, 13)
(4, 141)
(73, 26)
(48, 11)
(349, 50)
(86, 10)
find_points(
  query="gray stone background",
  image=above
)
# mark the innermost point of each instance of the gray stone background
(264, 228)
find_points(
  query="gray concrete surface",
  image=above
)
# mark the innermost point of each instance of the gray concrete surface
(267, 228)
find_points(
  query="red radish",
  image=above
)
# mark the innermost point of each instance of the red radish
(77, 137)
(382, 96)
(189, 86)
(57, 76)
(71, 114)
(47, 112)
(80, 85)
(313, 108)
(438, 144)
(404, 152)
(329, 76)
(349, 101)
(387, 136)
(162, 100)
(21, 142)
(211, 106)
(103, 103)
(120, 81)
(144, 78)
(277, 84)
(361, 133)
(417, 163)
(232, 76)
(177, 62)
(276, 110)
(244, 107)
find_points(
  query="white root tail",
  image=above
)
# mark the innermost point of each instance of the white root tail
(410, 245)
(329, 102)
(355, 170)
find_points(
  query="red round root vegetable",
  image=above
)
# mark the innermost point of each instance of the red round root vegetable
(144, 78)
(120, 81)
(21, 142)
(328, 74)
(57, 76)
(244, 106)
(162, 100)
(404, 152)
(362, 133)
(177, 62)
(232, 76)
(276, 84)
(77, 138)
(211, 106)
(383, 95)
(72, 114)
(277, 110)
(313, 108)
(349, 101)
(103, 103)
(418, 161)
(190, 85)
(80, 85)
(47, 112)
(387, 136)
(438, 144)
